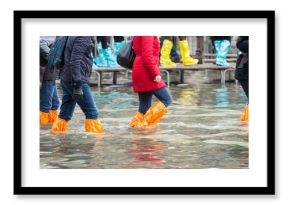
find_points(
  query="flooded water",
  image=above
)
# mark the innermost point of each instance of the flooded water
(200, 130)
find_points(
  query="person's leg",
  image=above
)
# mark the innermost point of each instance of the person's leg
(88, 106)
(170, 38)
(66, 109)
(158, 109)
(46, 93)
(145, 99)
(222, 49)
(144, 104)
(138, 119)
(163, 95)
(185, 52)
(119, 42)
(245, 86)
(100, 60)
(245, 114)
(165, 52)
(119, 38)
(108, 53)
(174, 55)
(55, 105)
(55, 99)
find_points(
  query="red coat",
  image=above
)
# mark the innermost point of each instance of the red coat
(146, 64)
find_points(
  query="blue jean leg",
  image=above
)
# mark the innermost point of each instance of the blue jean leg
(145, 99)
(87, 104)
(55, 99)
(68, 104)
(48, 96)
(163, 95)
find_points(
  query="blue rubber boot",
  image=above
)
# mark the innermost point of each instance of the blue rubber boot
(222, 49)
(118, 46)
(110, 58)
(101, 61)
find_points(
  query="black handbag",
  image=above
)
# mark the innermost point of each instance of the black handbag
(126, 56)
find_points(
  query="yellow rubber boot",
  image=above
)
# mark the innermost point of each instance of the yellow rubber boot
(245, 114)
(155, 113)
(138, 120)
(52, 116)
(93, 125)
(165, 54)
(43, 118)
(59, 126)
(185, 54)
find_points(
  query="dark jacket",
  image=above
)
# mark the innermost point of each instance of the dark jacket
(45, 43)
(78, 59)
(242, 67)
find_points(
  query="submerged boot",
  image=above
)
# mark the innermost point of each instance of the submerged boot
(43, 118)
(245, 114)
(110, 58)
(222, 49)
(93, 125)
(165, 54)
(155, 113)
(59, 126)
(138, 120)
(52, 116)
(185, 54)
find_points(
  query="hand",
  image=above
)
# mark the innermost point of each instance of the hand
(77, 91)
(157, 78)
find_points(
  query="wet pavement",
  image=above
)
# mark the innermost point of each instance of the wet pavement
(200, 130)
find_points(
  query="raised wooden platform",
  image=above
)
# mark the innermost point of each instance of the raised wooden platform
(198, 67)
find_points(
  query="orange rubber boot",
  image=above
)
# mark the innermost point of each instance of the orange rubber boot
(245, 114)
(155, 113)
(138, 120)
(92, 125)
(52, 116)
(59, 126)
(43, 118)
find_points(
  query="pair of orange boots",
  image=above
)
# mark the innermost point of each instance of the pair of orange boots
(47, 118)
(60, 125)
(91, 125)
(151, 117)
(245, 114)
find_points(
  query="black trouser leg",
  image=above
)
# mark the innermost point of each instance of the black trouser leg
(245, 86)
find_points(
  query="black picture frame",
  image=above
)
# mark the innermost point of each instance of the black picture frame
(19, 189)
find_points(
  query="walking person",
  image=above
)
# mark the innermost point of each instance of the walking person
(147, 82)
(74, 77)
(242, 71)
(49, 100)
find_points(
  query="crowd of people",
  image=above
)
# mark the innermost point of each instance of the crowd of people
(83, 53)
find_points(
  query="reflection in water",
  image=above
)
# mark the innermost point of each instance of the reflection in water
(200, 130)
(146, 152)
(222, 98)
(189, 96)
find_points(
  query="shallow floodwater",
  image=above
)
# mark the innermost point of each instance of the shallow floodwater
(200, 130)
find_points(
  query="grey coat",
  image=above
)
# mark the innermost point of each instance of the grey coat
(46, 42)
